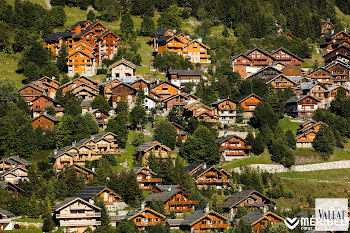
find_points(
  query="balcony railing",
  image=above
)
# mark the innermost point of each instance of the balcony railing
(222, 225)
(183, 202)
(146, 187)
(149, 223)
(79, 223)
(213, 181)
(149, 180)
(82, 215)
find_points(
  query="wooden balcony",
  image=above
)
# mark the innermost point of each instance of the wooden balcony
(146, 187)
(183, 202)
(211, 174)
(212, 226)
(152, 180)
(141, 224)
(79, 223)
(91, 215)
(213, 181)
(204, 56)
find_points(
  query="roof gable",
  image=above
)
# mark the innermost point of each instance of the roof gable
(286, 51)
(281, 76)
(145, 210)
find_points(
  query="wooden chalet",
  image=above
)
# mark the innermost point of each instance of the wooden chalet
(180, 132)
(5, 220)
(13, 189)
(87, 174)
(260, 57)
(113, 201)
(146, 178)
(248, 103)
(76, 215)
(91, 42)
(30, 92)
(122, 68)
(341, 53)
(14, 175)
(145, 217)
(335, 40)
(40, 103)
(321, 75)
(286, 57)
(181, 77)
(233, 147)
(200, 112)
(124, 92)
(302, 106)
(307, 133)
(291, 70)
(174, 198)
(45, 121)
(240, 63)
(179, 99)
(50, 83)
(155, 148)
(85, 91)
(340, 73)
(12, 162)
(326, 27)
(208, 175)
(195, 51)
(282, 82)
(101, 118)
(258, 220)
(165, 89)
(158, 33)
(248, 198)
(106, 87)
(225, 110)
(315, 89)
(201, 221)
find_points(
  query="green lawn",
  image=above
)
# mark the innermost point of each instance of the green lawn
(253, 159)
(36, 230)
(8, 67)
(35, 220)
(329, 175)
(40, 2)
(300, 189)
(287, 124)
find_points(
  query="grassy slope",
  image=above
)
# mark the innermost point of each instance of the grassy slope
(287, 124)
(328, 175)
(37, 230)
(40, 2)
(8, 67)
(302, 188)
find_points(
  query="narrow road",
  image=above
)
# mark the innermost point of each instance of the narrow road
(316, 180)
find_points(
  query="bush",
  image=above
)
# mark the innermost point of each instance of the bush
(31, 226)
(22, 226)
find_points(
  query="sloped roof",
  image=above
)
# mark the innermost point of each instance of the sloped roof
(238, 197)
(159, 32)
(122, 61)
(5, 184)
(19, 160)
(192, 167)
(186, 72)
(165, 82)
(89, 192)
(286, 51)
(51, 118)
(12, 170)
(146, 146)
(71, 200)
(6, 213)
(252, 217)
(139, 211)
(243, 97)
(228, 137)
(57, 35)
(241, 54)
(79, 23)
(163, 196)
(296, 99)
(192, 218)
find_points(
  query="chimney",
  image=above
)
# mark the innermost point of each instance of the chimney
(143, 205)
(265, 209)
(169, 189)
(92, 137)
(204, 165)
(53, 77)
(207, 209)
(200, 39)
(73, 143)
(93, 169)
(239, 189)
(55, 151)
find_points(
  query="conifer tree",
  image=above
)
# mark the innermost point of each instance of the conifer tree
(62, 58)
(48, 224)
(166, 134)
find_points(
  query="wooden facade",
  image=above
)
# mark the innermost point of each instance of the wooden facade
(321, 75)
(40, 103)
(123, 92)
(282, 82)
(146, 178)
(291, 70)
(155, 148)
(332, 55)
(122, 68)
(146, 217)
(30, 92)
(165, 89)
(248, 103)
(87, 174)
(286, 57)
(263, 220)
(45, 121)
(233, 147)
(302, 106)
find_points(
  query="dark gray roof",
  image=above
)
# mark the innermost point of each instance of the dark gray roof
(19, 160)
(146, 146)
(89, 192)
(236, 198)
(159, 32)
(56, 35)
(12, 169)
(59, 152)
(85, 103)
(168, 186)
(5, 184)
(52, 118)
(100, 135)
(163, 39)
(225, 138)
(175, 222)
(219, 101)
(186, 72)
(6, 213)
(193, 217)
(252, 217)
(296, 99)
(163, 196)
(192, 166)
(79, 23)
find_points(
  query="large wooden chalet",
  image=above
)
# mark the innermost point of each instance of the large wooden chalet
(156, 149)
(208, 175)
(88, 45)
(248, 198)
(302, 106)
(233, 147)
(258, 220)
(248, 102)
(174, 198)
(146, 178)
